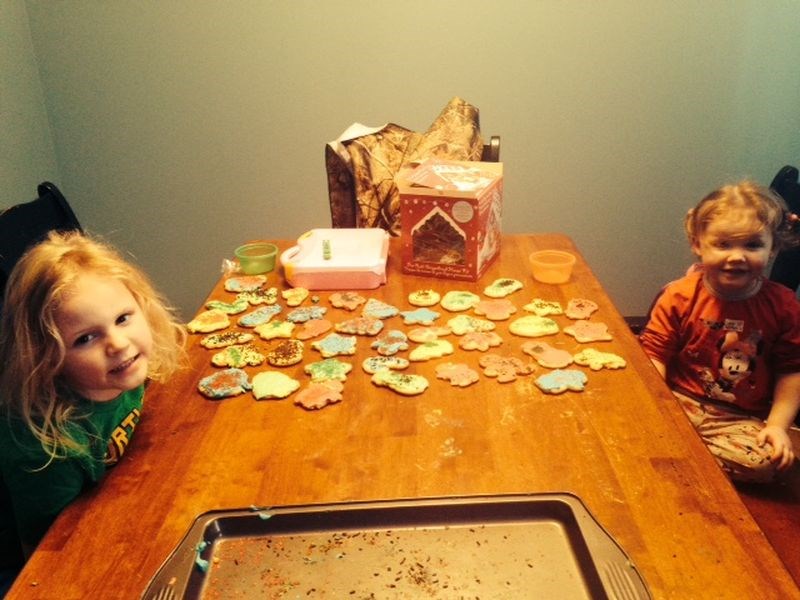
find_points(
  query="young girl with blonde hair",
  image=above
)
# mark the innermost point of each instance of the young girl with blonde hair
(81, 332)
(727, 339)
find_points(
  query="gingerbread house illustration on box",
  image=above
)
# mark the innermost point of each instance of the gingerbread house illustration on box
(436, 238)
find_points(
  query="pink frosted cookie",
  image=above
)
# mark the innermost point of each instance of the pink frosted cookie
(424, 298)
(208, 321)
(238, 356)
(427, 334)
(430, 350)
(286, 353)
(244, 283)
(580, 308)
(596, 360)
(464, 324)
(334, 344)
(500, 288)
(347, 300)
(588, 331)
(505, 368)
(533, 326)
(546, 355)
(259, 296)
(373, 364)
(390, 342)
(544, 308)
(230, 382)
(458, 374)
(294, 296)
(479, 340)
(495, 310)
(360, 326)
(402, 383)
(313, 328)
(301, 314)
(273, 384)
(229, 308)
(329, 368)
(559, 381)
(317, 395)
(226, 338)
(275, 329)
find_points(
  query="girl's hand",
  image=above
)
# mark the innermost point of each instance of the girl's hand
(782, 451)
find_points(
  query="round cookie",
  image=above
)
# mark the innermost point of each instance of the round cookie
(286, 353)
(424, 298)
(457, 301)
(533, 326)
(273, 384)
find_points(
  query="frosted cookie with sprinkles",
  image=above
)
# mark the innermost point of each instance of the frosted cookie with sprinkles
(458, 374)
(424, 298)
(379, 310)
(229, 308)
(226, 338)
(430, 350)
(329, 368)
(544, 308)
(402, 383)
(259, 316)
(319, 394)
(457, 301)
(360, 326)
(390, 342)
(273, 384)
(588, 331)
(259, 296)
(334, 344)
(244, 283)
(465, 324)
(546, 355)
(580, 308)
(238, 356)
(373, 364)
(286, 353)
(596, 360)
(208, 321)
(224, 384)
(504, 368)
(500, 288)
(533, 326)
(302, 314)
(347, 300)
(275, 329)
(479, 340)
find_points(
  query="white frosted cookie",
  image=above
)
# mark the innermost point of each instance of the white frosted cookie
(596, 360)
(544, 308)
(208, 321)
(402, 383)
(588, 331)
(424, 298)
(373, 364)
(500, 288)
(259, 296)
(294, 296)
(275, 329)
(457, 301)
(464, 324)
(430, 350)
(558, 381)
(273, 384)
(533, 326)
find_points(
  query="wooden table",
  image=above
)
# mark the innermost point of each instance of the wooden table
(623, 446)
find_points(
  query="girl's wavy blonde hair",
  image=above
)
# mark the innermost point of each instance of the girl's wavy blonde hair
(769, 208)
(32, 350)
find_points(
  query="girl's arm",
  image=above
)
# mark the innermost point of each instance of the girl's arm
(785, 404)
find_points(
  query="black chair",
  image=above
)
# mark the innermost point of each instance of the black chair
(23, 225)
(786, 268)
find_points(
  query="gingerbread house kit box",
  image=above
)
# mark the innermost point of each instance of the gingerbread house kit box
(450, 217)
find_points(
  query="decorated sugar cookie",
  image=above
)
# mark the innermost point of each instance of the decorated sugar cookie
(402, 383)
(226, 338)
(500, 288)
(259, 296)
(294, 296)
(373, 364)
(505, 368)
(588, 331)
(244, 283)
(429, 350)
(286, 353)
(301, 314)
(457, 301)
(427, 334)
(208, 321)
(259, 316)
(329, 368)
(238, 356)
(275, 329)
(495, 310)
(464, 324)
(229, 308)
(334, 344)
(544, 308)
(360, 326)
(558, 381)
(347, 300)
(596, 360)
(479, 340)
(580, 308)
(223, 384)
(390, 342)
(533, 326)
(379, 310)
(273, 384)
(546, 355)
(313, 328)
(420, 316)
(319, 394)
(458, 374)
(424, 298)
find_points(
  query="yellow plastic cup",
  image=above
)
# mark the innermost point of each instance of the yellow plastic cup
(257, 258)
(552, 266)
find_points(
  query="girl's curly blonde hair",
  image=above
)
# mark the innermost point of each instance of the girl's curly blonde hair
(32, 350)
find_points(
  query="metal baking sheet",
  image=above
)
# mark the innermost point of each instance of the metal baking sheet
(507, 546)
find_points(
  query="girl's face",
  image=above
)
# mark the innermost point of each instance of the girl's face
(734, 249)
(106, 336)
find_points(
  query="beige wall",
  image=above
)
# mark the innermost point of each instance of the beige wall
(182, 128)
